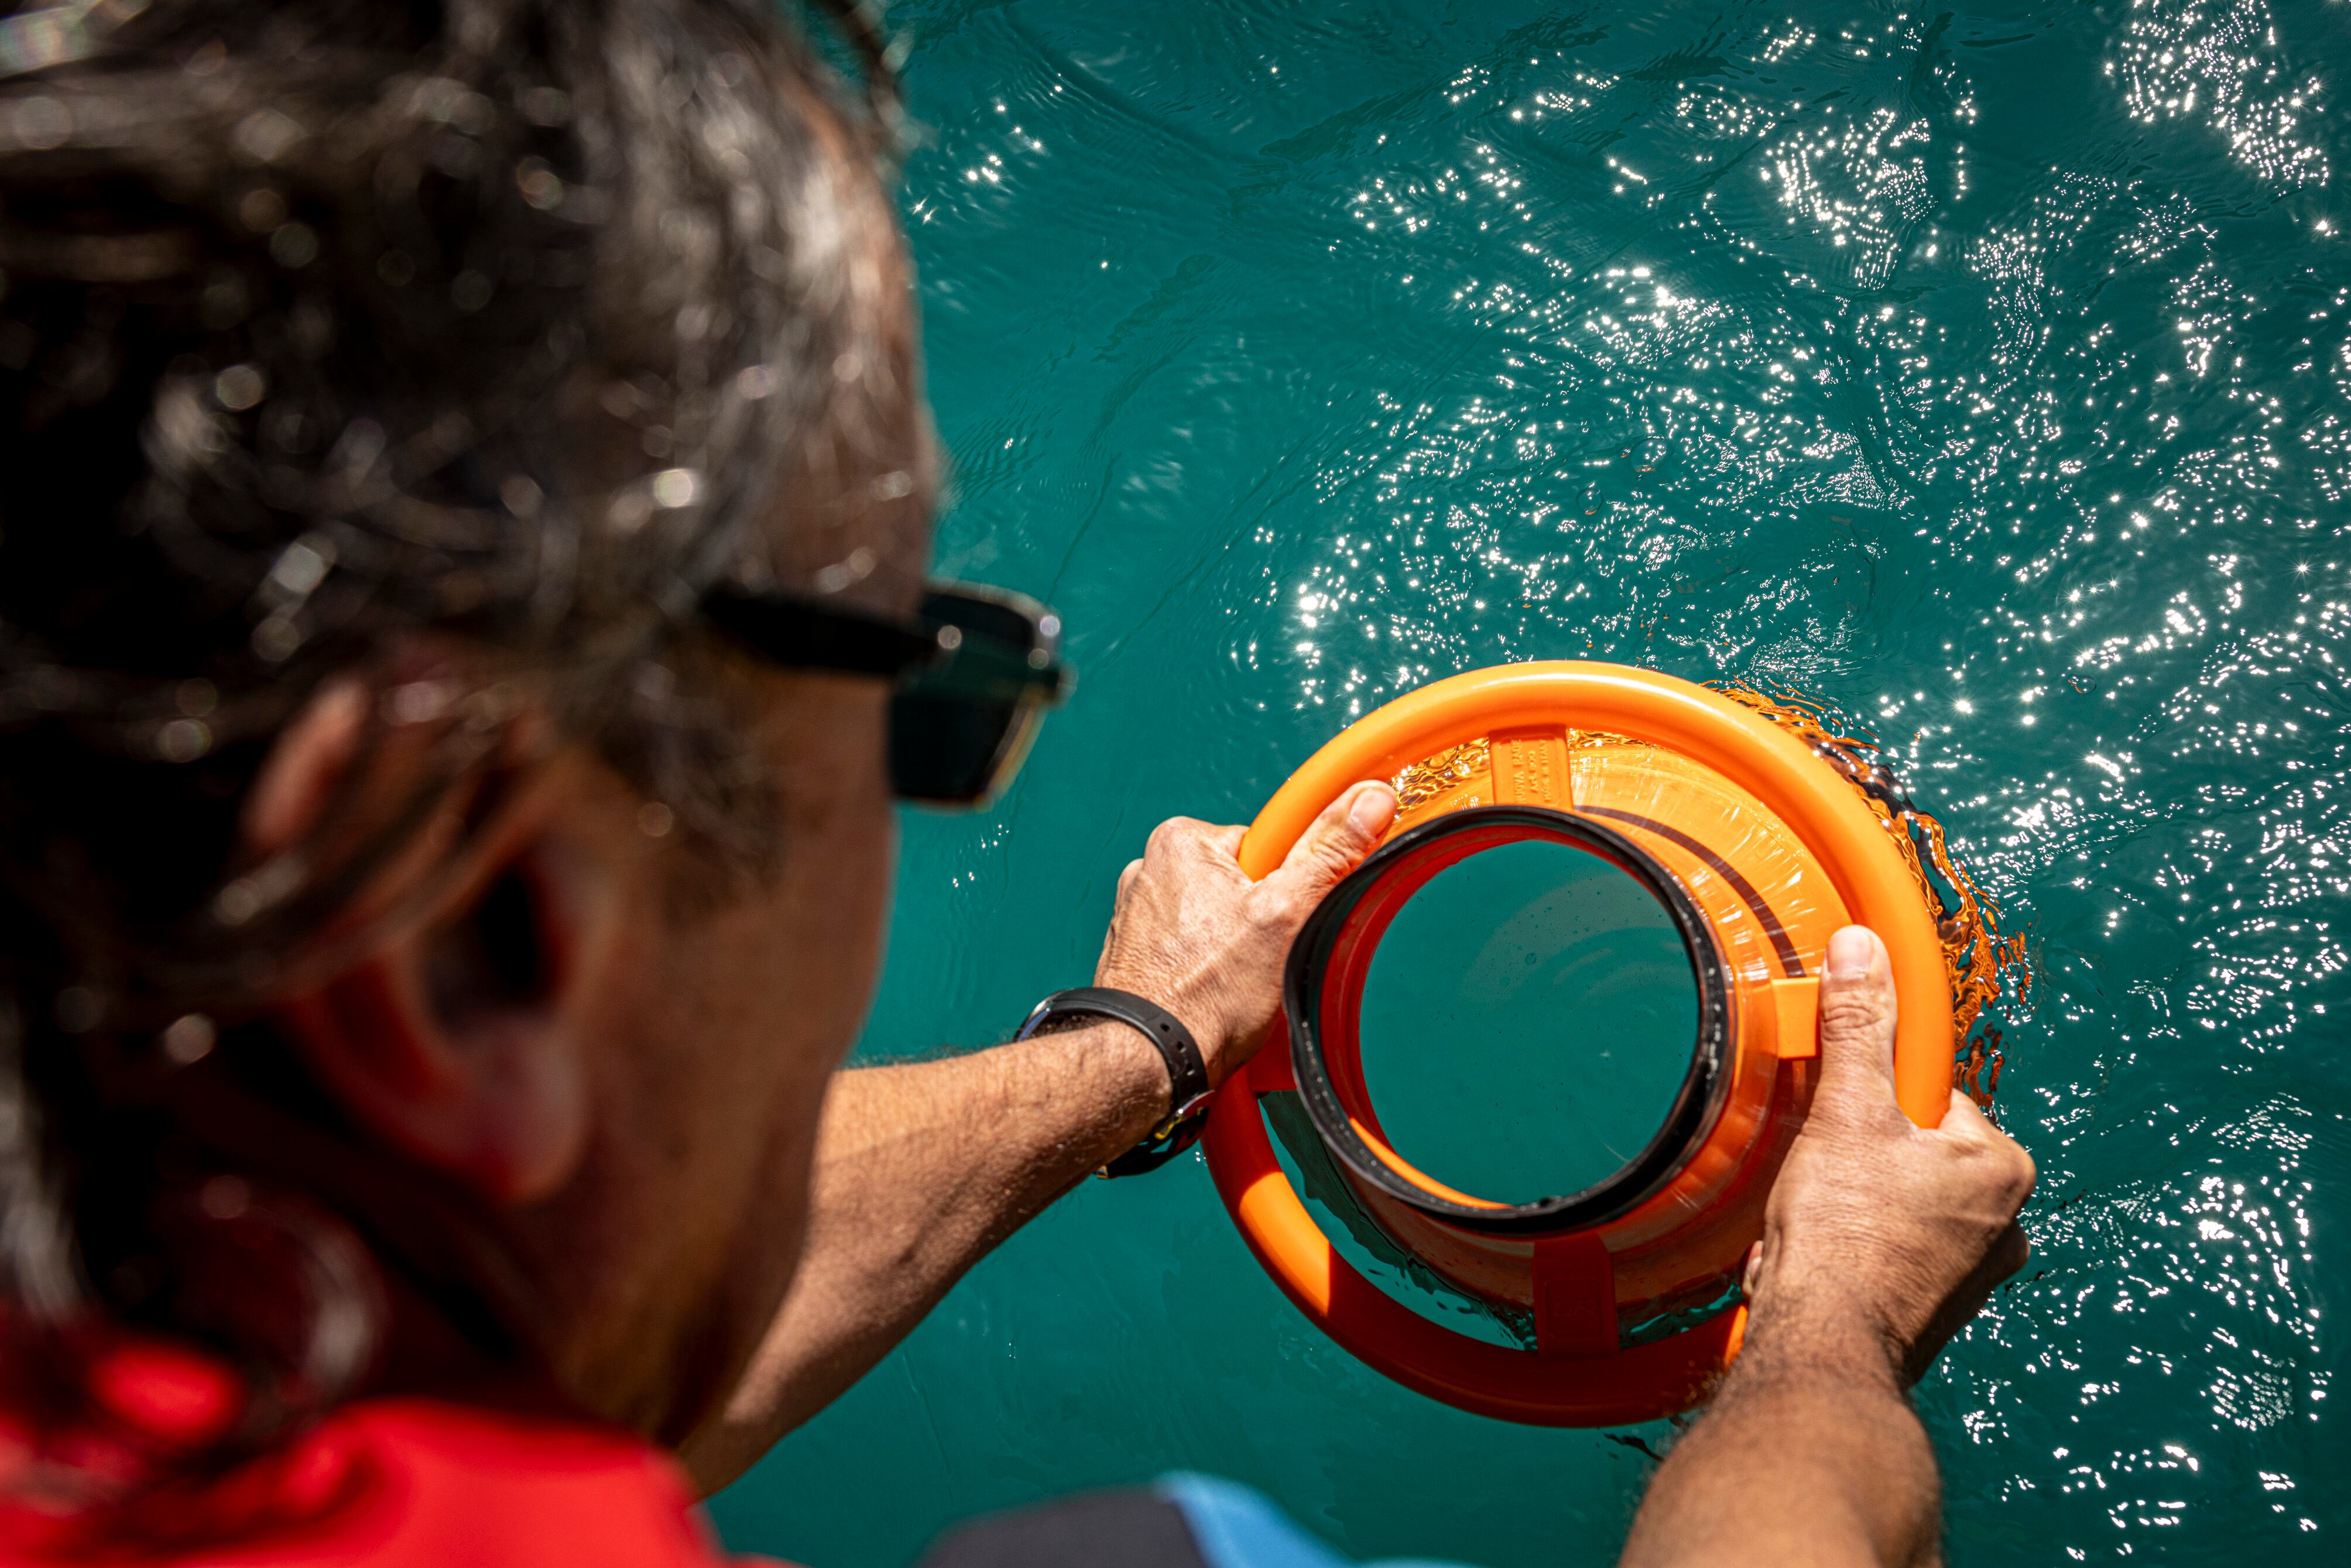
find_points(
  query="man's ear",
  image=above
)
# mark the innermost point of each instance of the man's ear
(450, 1041)
(454, 1045)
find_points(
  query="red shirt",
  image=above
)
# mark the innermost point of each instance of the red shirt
(384, 1483)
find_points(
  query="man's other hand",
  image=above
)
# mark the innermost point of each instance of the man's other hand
(1194, 934)
(1882, 1234)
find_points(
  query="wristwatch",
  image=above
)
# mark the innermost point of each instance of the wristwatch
(1188, 1072)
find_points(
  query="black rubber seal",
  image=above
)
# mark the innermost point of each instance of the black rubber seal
(1694, 1104)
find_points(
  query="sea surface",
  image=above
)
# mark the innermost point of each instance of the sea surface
(1983, 372)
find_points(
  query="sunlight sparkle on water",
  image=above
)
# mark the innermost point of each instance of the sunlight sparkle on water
(1986, 374)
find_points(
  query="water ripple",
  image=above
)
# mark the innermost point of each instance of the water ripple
(1985, 371)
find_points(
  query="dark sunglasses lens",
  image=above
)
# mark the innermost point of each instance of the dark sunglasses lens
(945, 750)
(961, 728)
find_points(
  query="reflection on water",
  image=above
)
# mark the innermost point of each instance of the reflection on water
(1983, 372)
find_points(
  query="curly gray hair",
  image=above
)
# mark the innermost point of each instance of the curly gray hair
(326, 322)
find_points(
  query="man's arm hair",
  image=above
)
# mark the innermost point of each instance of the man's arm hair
(920, 1170)
(1810, 1453)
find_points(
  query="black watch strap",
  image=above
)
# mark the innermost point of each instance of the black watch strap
(1188, 1072)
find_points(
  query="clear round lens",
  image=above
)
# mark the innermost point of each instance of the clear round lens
(1527, 1022)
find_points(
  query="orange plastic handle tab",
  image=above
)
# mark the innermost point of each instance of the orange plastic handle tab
(1641, 1381)
(1797, 1024)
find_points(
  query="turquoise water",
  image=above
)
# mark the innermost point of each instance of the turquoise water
(1527, 1021)
(1982, 371)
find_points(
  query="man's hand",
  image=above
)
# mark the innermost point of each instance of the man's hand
(1879, 1230)
(1194, 934)
(1880, 1239)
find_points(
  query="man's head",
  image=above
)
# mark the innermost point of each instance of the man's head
(382, 842)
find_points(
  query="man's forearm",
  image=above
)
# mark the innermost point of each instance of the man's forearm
(1809, 1454)
(921, 1169)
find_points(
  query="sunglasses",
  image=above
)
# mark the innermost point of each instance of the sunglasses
(976, 668)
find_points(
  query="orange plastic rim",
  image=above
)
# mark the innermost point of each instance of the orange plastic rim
(1818, 806)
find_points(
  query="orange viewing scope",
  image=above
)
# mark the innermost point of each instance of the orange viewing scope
(1758, 847)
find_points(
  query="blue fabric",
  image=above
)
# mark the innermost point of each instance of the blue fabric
(1235, 1528)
